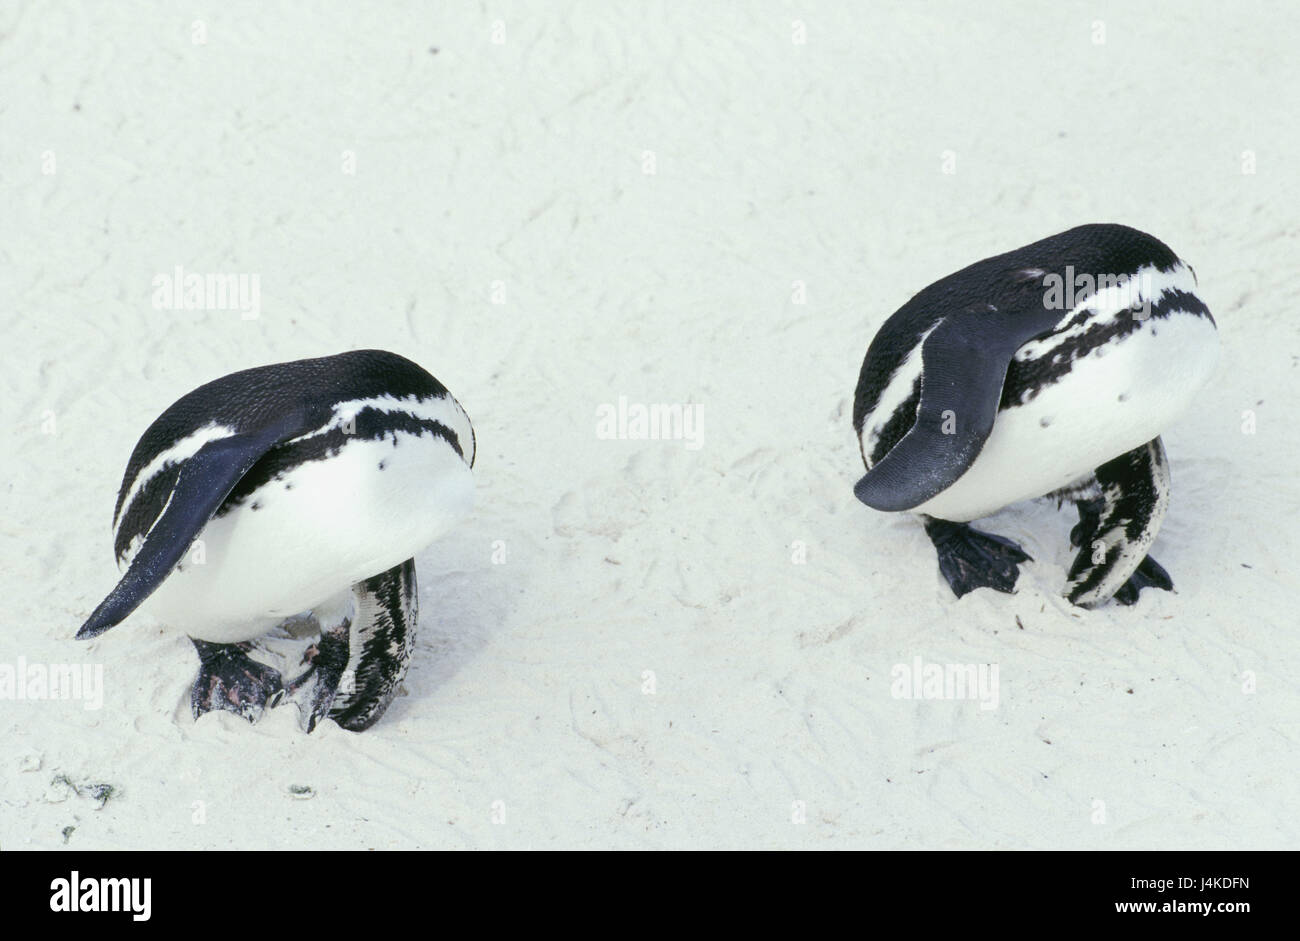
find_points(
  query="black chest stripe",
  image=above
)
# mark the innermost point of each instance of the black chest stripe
(370, 424)
(1026, 378)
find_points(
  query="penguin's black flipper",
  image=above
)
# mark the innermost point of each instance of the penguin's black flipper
(964, 364)
(204, 482)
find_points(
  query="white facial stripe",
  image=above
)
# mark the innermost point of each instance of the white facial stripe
(897, 391)
(1144, 288)
(181, 450)
(442, 409)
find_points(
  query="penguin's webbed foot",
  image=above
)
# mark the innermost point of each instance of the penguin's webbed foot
(1089, 520)
(970, 558)
(230, 680)
(314, 690)
(1150, 574)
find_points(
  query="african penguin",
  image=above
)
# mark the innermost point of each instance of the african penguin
(294, 491)
(1050, 370)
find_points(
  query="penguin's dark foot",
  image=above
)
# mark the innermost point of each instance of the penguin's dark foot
(314, 690)
(229, 679)
(1150, 574)
(970, 559)
(1089, 520)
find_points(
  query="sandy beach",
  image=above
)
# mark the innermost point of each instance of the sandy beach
(691, 640)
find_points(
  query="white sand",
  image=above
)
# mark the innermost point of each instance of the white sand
(526, 721)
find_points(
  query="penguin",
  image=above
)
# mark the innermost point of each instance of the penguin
(290, 492)
(1050, 370)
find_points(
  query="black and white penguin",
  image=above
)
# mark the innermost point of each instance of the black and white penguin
(311, 485)
(1050, 370)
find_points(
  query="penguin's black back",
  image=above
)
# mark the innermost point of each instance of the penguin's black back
(254, 398)
(1008, 281)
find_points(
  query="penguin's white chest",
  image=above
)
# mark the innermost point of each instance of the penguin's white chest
(303, 539)
(1115, 397)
